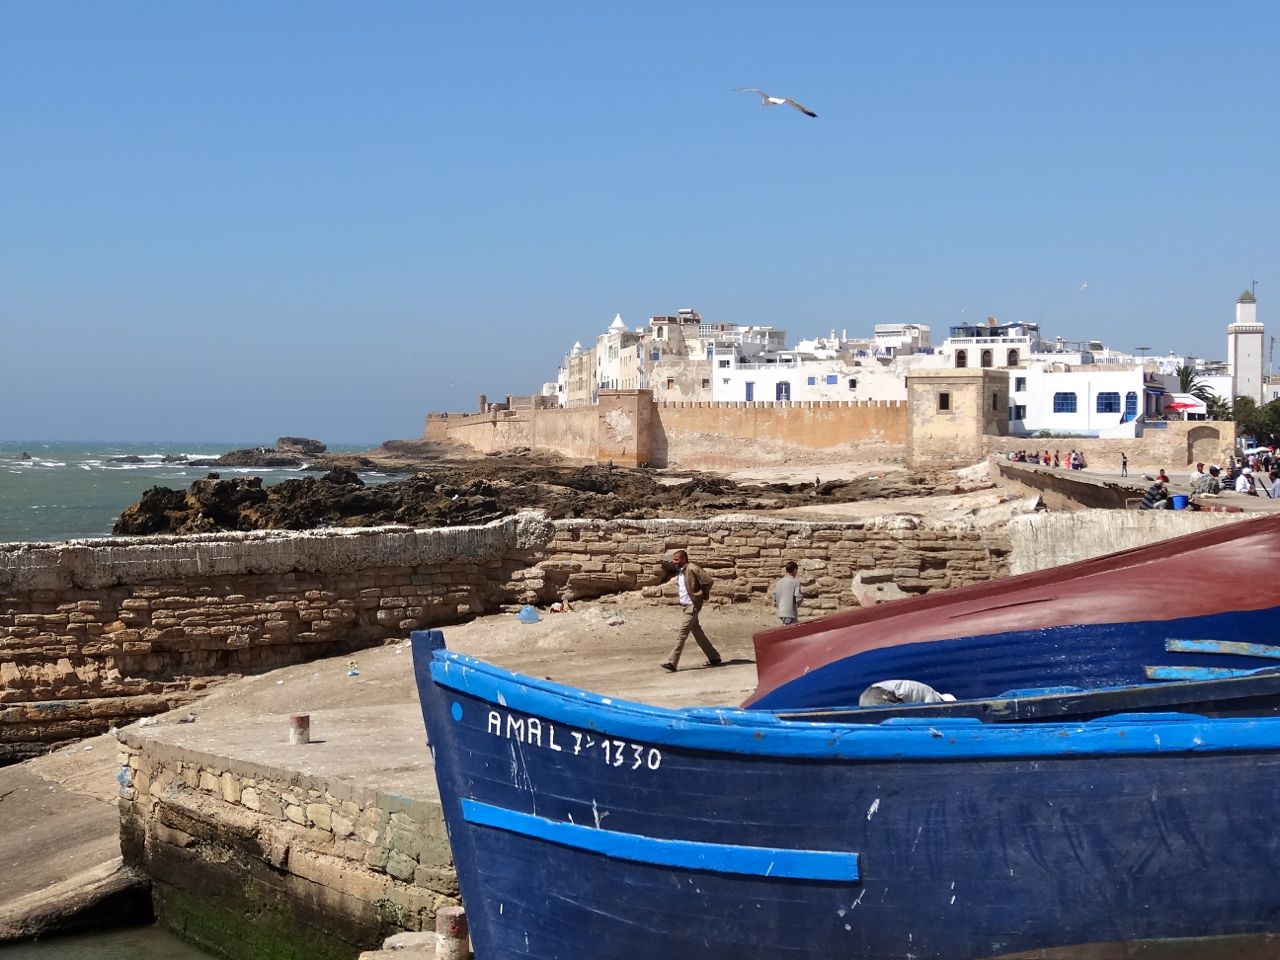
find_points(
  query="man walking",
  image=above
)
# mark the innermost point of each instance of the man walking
(787, 595)
(1124, 464)
(694, 587)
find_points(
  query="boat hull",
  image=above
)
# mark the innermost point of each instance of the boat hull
(586, 828)
(1191, 607)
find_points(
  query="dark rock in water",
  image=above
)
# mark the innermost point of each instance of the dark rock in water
(24, 456)
(156, 512)
(207, 505)
(134, 458)
(342, 475)
(300, 446)
(260, 457)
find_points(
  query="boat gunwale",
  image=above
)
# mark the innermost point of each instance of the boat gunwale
(757, 733)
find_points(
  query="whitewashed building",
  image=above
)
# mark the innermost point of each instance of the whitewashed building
(1093, 400)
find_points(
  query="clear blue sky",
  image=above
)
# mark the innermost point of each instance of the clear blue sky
(243, 219)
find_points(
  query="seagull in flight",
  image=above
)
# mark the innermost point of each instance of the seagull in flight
(769, 101)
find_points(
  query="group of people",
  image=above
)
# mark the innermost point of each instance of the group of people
(1253, 476)
(1074, 459)
(693, 589)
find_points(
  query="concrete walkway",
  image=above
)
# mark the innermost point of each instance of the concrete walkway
(61, 849)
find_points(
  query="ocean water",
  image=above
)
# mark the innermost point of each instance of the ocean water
(137, 943)
(68, 490)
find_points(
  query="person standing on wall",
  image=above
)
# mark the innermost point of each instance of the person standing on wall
(694, 587)
(787, 595)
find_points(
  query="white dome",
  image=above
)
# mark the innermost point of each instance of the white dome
(617, 326)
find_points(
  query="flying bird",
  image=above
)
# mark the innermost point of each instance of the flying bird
(769, 101)
(1085, 285)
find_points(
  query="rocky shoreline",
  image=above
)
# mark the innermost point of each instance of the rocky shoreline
(445, 493)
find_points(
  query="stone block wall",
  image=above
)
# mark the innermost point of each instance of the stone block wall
(94, 634)
(587, 558)
(251, 861)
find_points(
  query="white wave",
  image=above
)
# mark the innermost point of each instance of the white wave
(85, 466)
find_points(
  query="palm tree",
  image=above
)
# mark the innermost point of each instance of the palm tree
(1217, 408)
(1189, 383)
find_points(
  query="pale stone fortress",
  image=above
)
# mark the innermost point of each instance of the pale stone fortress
(659, 394)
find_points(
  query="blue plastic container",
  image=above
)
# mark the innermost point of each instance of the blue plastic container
(1179, 501)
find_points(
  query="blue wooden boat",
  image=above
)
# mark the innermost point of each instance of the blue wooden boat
(1191, 608)
(587, 827)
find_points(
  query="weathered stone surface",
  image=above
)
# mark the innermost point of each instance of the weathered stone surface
(213, 606)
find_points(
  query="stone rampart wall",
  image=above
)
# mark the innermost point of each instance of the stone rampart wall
(729, 435)
(571, 432)
(1176, 446)
(692, 434)
(252, 861)
(94, 634)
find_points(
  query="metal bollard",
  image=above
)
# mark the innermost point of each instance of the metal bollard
(451, 934)
(300, 728)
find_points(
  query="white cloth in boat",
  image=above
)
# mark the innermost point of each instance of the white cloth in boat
(901, 691)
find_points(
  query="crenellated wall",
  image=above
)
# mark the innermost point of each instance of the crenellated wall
(627, 426)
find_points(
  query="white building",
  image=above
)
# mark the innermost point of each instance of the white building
(992, 344)
(619, 358)
(1094, 401)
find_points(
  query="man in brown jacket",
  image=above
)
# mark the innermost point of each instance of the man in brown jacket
(694, 586)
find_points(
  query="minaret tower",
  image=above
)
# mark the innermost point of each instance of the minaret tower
(1245, 353)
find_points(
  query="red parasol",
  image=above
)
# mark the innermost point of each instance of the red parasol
(1183, 405)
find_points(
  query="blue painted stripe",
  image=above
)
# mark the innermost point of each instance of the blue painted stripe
(1234, 647)
(1194, 673)
(758, 733)
(827, 865)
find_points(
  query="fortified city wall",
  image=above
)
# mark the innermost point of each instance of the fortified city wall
(571, 432)
(627, 426)
(94, 634)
